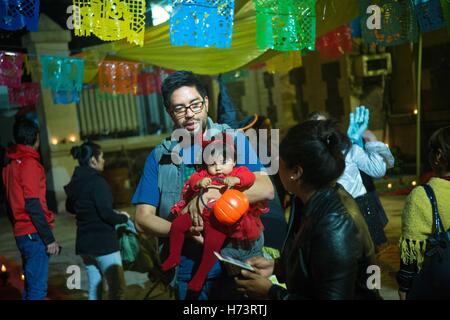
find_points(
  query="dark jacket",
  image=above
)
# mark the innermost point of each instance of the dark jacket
(89, 198)
(327, 251)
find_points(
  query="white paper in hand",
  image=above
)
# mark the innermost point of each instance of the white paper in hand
(234, 266)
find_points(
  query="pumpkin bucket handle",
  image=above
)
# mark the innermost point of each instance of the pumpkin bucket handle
(202, 191)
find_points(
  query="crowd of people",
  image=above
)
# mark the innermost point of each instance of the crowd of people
(335, 226)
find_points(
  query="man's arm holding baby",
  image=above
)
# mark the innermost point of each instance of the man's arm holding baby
(148, 222)
(261, 190)
(257, 185)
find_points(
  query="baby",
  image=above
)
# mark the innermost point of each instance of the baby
(219, 171)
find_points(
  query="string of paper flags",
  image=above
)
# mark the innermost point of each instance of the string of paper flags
(283, 25)
(64, 77)
(17, 14)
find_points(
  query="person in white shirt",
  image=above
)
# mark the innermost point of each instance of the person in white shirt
(373, 158)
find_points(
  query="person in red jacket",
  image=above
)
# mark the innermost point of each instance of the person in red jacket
(220, 170)
(24, 180)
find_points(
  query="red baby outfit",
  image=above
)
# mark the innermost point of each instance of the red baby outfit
(248, 228)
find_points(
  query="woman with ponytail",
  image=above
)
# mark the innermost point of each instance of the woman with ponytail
(89, 197)
(328, 249)
(367, 157)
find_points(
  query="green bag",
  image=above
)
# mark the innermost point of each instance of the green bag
(128, 243)
(141, 254)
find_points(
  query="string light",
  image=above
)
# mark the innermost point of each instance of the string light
(4, 275)
(54, 141)
(389, 185)
(415, 111)
(72, 138)
(414, 183)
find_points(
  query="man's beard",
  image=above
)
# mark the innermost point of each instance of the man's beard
(200, 128)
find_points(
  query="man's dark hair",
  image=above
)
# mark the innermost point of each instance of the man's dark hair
(25, 132)
(180, 79)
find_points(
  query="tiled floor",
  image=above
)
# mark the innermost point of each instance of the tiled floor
(138, 285)
(389, 259)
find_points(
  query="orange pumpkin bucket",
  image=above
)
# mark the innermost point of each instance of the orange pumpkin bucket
(230, 207)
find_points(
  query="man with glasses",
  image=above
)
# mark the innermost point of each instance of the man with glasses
(186, 100)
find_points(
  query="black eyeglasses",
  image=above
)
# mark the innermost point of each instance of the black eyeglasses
(195, 107)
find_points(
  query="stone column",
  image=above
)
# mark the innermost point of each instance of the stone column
(58, 123)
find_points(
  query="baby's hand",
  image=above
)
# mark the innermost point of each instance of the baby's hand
(231, 181)
(204, 183)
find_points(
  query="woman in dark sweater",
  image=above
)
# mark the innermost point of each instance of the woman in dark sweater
(89, 198)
